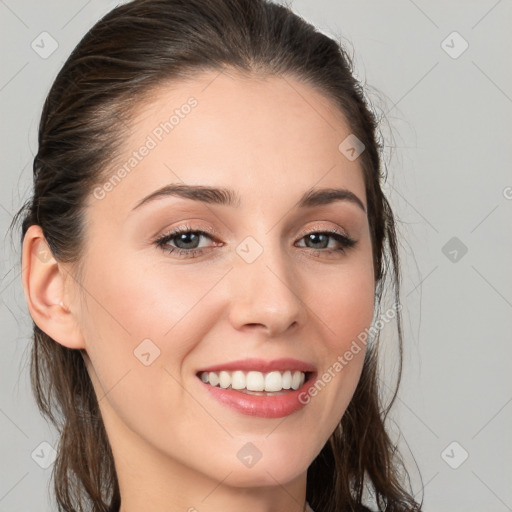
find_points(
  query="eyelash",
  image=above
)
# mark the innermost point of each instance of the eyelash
(161, 242)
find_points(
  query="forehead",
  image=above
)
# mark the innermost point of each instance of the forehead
(254, 134)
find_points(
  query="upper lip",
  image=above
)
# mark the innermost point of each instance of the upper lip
(262, 365)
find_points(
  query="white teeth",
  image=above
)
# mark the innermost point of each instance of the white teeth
(255, 381)
(273, 381)
(213, 378)
(287, 379)
(238, 380)
(224, 379)
(297, 380)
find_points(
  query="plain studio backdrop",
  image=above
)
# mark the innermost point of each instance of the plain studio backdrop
(440, 73)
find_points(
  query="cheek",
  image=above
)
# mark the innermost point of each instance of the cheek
(344, 309)
(134, 319)
(132, 301)
(140, 321)
(345, 304)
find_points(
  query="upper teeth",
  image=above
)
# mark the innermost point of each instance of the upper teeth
(255, 381)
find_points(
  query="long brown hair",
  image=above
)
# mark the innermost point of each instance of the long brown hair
(127, 54)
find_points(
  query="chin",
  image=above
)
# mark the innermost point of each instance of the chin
(264, 475)
(269, 466)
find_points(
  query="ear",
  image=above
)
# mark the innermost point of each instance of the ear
(43, 284)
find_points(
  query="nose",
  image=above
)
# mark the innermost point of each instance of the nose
(266, 295)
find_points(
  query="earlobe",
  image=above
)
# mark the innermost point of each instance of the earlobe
(43, 284)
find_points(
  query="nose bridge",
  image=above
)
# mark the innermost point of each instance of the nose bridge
(267, 290)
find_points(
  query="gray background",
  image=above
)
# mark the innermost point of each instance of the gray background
(450, 183)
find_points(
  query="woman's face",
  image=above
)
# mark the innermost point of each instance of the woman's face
(256, 285)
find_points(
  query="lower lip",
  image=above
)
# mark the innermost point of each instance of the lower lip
(262, 406)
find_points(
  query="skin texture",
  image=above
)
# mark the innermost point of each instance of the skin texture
(175, 448)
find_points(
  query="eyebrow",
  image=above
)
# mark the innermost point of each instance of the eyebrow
(228, 197)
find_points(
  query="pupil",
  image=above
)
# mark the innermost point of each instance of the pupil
(316, 235)
(183, 237)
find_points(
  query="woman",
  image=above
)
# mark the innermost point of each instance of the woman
(203, 256)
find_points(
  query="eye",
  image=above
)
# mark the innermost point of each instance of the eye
(186, 242)
(320, 241)
(186, 239)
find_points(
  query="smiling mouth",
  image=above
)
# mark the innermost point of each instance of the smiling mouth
(272, 383)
